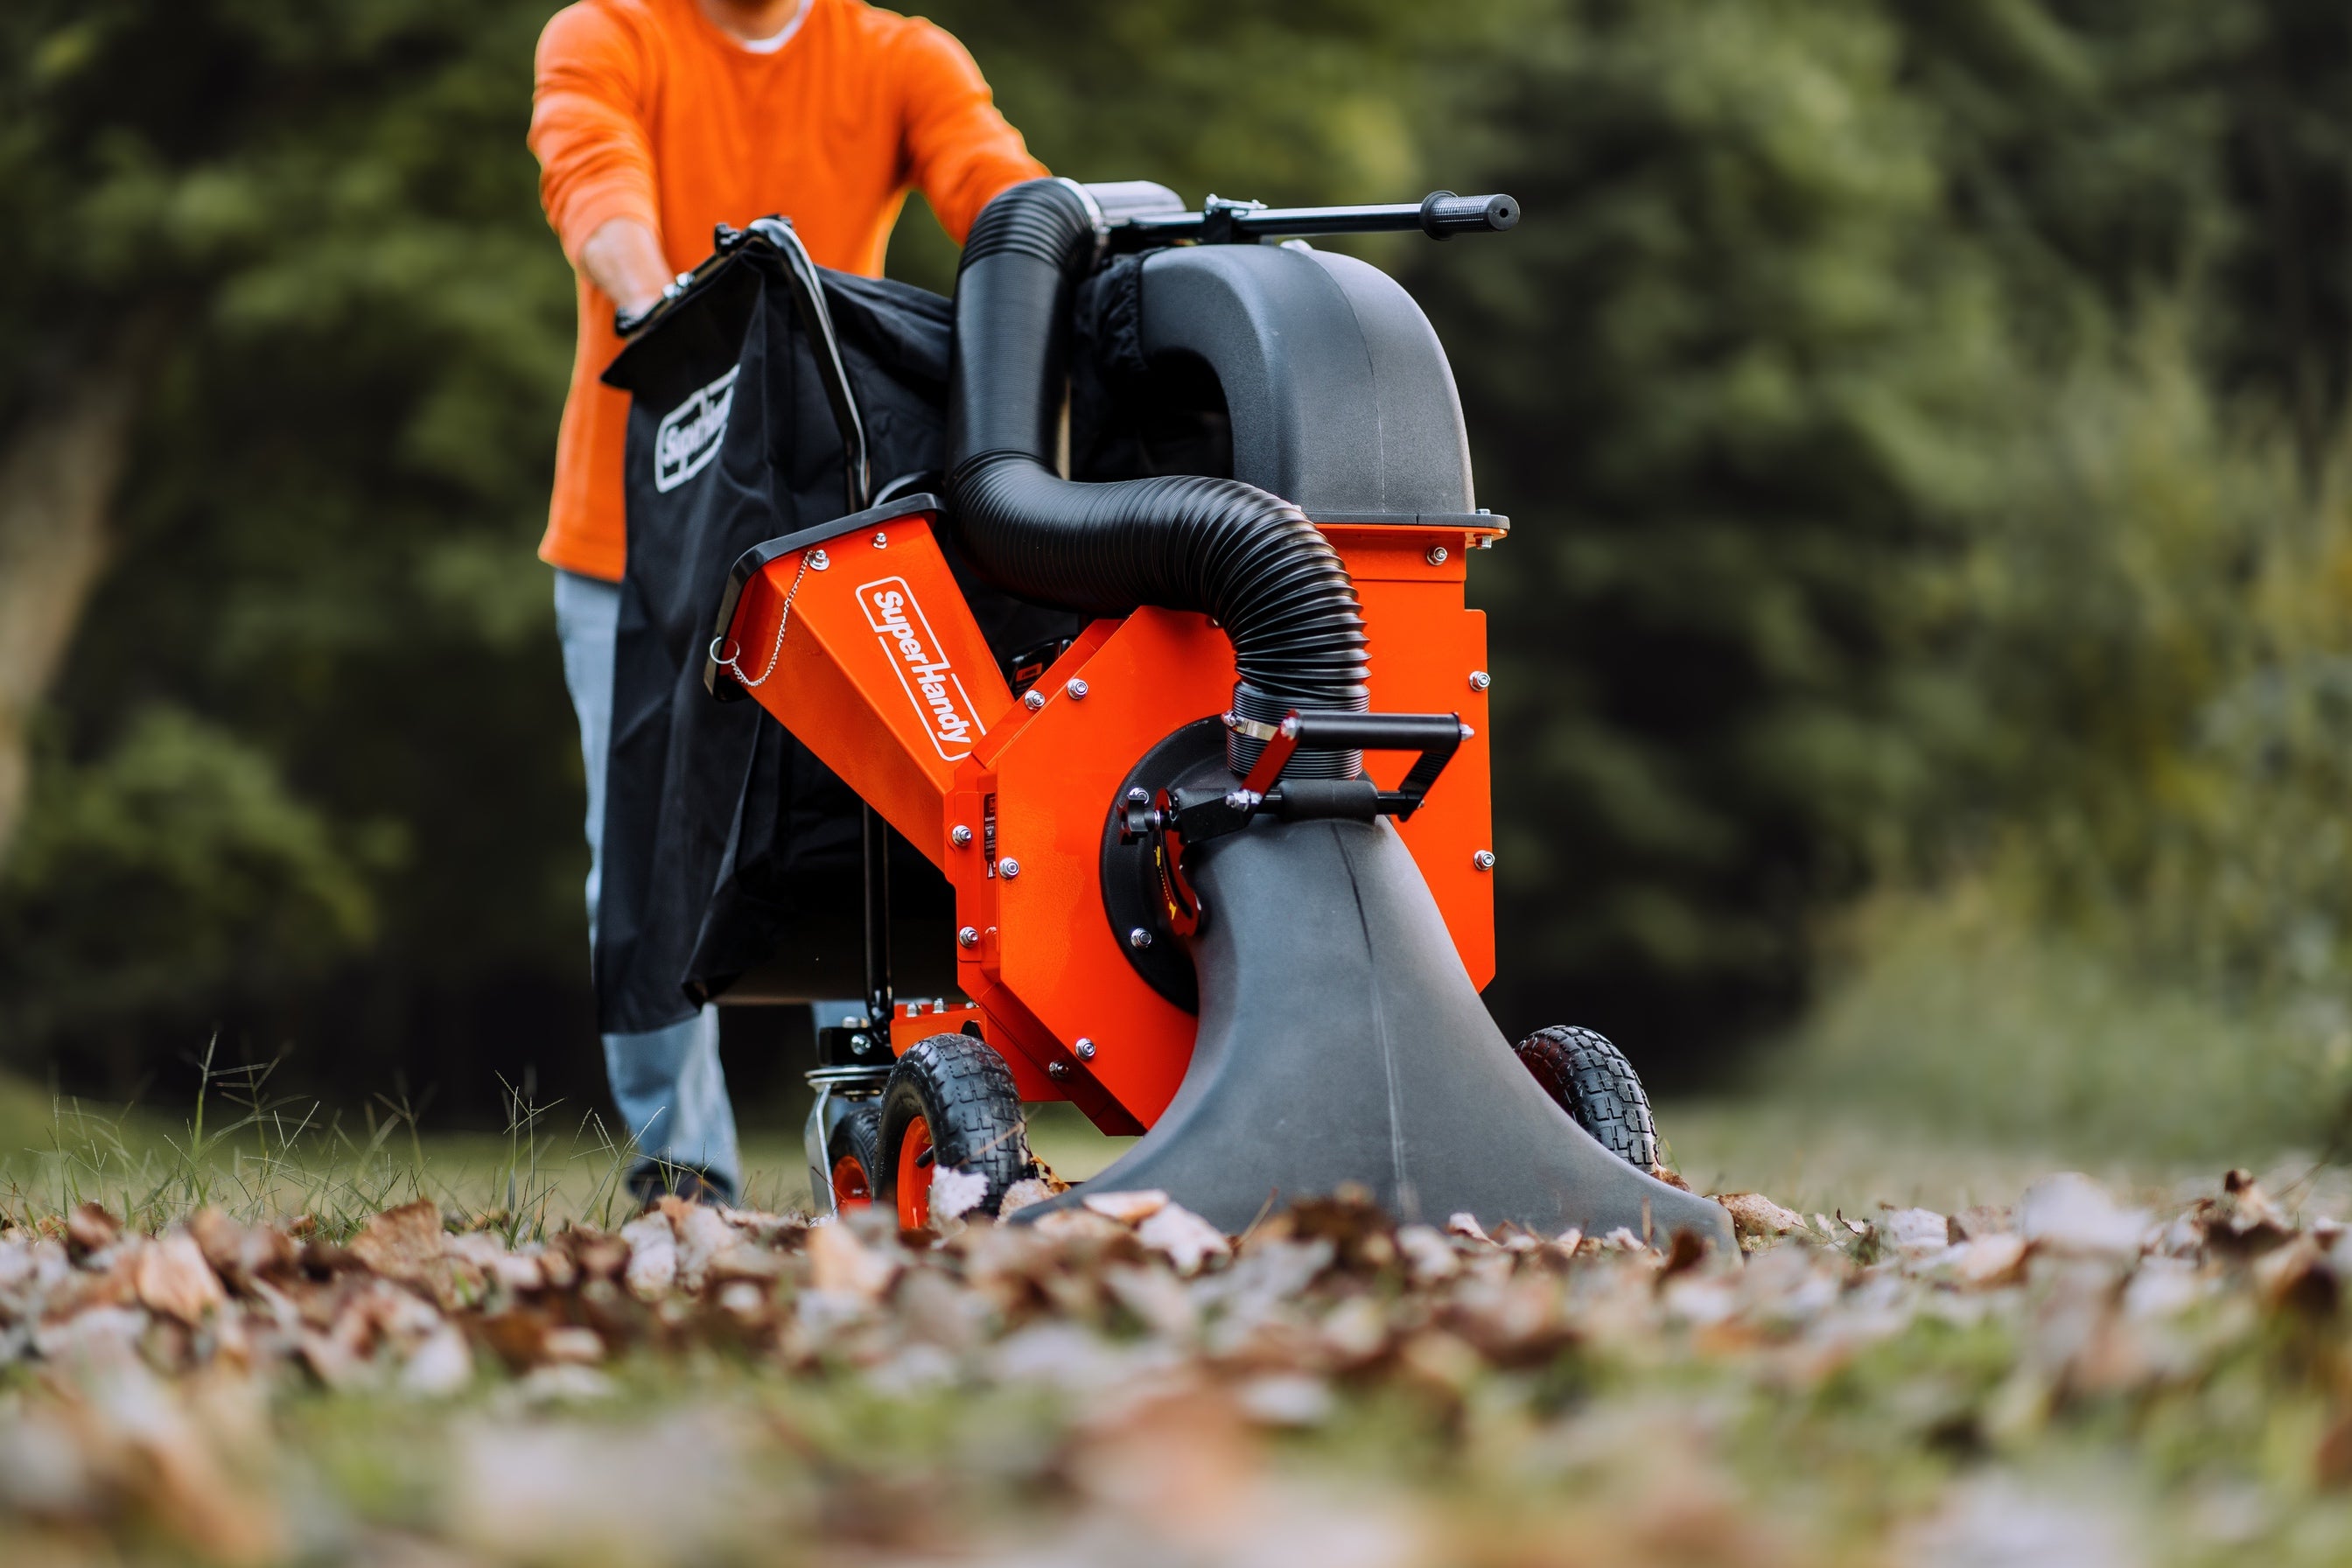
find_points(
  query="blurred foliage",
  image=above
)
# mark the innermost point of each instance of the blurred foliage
(1923, 426)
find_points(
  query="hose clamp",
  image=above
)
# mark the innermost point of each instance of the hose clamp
(1094, 216)
(1251, 728)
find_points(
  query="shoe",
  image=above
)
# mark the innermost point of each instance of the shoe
(657, 1179)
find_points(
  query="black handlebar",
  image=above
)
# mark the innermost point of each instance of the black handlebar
(1440, 214)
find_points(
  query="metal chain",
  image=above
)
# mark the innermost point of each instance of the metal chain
(782, 620)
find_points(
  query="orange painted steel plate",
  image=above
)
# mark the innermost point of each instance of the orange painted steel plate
(882, 672)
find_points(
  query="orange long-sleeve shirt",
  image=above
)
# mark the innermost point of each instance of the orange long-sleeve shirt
(644, 108)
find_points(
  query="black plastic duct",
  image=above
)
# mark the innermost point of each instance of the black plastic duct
(1249, 559)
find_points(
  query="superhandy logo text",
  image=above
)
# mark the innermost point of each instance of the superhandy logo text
(923, 668)
(690, 434)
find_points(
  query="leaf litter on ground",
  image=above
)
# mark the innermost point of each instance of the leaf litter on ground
(2073, 1378)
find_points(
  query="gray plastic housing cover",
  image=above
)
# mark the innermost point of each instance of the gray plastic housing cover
(1340, 397)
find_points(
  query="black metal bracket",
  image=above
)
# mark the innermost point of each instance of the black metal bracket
(1183, 816)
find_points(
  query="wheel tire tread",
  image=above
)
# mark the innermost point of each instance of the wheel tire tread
(1588, 1076)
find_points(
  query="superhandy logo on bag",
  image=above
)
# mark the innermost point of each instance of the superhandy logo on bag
(690, 434)
(923, 669)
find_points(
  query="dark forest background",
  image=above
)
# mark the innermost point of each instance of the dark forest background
(1923, 425)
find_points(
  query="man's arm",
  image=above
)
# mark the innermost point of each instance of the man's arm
(624, 257)
(596, 166)
(957, 149)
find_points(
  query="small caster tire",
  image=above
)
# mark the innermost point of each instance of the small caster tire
(1590, 1078)
(950, 1101)
(855, 1154)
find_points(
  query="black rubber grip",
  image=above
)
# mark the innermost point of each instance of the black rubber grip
(1444, 215)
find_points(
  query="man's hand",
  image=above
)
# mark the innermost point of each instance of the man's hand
(624, 257)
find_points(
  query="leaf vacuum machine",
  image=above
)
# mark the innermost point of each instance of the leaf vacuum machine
(1215, 864)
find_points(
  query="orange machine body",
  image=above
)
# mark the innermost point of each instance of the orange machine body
(881, 671)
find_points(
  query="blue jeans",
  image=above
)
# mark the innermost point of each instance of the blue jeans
(670, 1087)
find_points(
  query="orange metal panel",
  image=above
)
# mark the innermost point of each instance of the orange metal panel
(1057, 778)
(882, 671)
(1424, 647)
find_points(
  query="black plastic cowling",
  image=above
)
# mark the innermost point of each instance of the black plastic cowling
(1248, 559)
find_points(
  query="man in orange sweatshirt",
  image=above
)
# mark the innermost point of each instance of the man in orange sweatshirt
(653, 121)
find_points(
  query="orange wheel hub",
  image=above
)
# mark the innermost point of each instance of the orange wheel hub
(915, 1176)
(852, 1187)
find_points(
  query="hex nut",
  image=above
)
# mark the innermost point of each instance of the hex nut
(1008, 867)
(1077, 688)
(967, 936)
(818, 560)
(1480, 680)
(1139, 938)
(960, 835)
(1057, 1070)
(881, 541)
(1438, 554)
(1032, 700)
(1484, 859)
(1085, 1049)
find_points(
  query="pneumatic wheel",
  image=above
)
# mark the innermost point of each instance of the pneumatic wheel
(1592, 1080)
(855, 1154)
(950, 1103)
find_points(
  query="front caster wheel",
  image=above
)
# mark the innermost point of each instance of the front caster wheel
(856, 1156)
(950, 1103)
(1592, 1080)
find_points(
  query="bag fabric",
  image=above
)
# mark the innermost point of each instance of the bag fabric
(718, 825)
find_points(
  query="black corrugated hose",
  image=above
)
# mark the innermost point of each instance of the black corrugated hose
(1230, 549)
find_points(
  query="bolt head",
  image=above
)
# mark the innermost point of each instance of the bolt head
(1437, 555)
(1484, 859)
(1008, 867)
(1085, 1049)
(1139, 938)
(967, 936)
(1057, 1070)
(1480, 680)
(1032, 700)
(1138, 797)
(1077, 688)
(960, 835)
(859, 1045)
(881, 541)
(818, 561)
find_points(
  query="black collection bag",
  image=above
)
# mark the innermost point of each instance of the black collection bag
(720, 827)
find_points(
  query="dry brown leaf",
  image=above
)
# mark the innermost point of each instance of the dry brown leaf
(1184, 1237)
(846, 1265)
(1127, 1208)
(1754, 1214)
(90, 1228)
(401, 1244)
(174, 1280)
(653, 1256)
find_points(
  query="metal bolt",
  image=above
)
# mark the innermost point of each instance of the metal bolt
(881, 541)
(1480, 680)
(818, 561)
(1077, 688)
(1008, 867)
(968, 937)
(1139, 938)
(1032, 700)
(1484, 859)
(1138, 797)
(859, 1045)
(1085, 1048)
(1057, 1070)
(1437, 555)
(960, 835)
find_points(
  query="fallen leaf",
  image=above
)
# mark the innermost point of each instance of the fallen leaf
(2071, 1213)
(653, 1256)
(955, 1193)
(401, 1244)
(90, 1228)
(1181, 1236)
(1754, 1214)
(175, 1281)
(844, 1266)
(1127, 1209)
